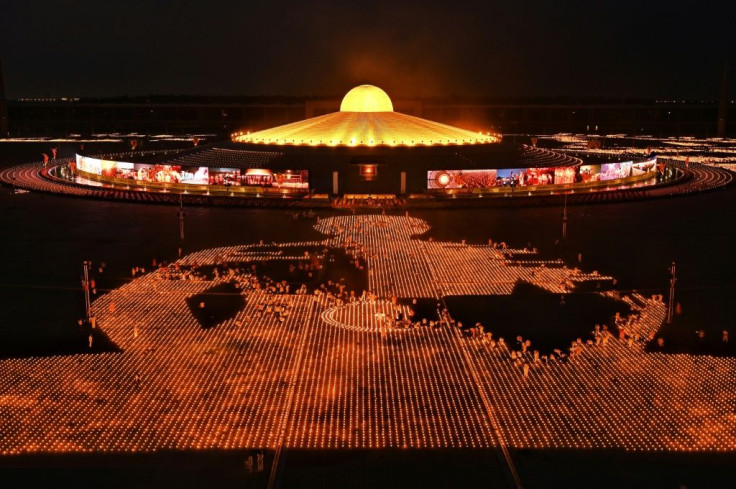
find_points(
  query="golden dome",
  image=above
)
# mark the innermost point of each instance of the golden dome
(366, 98)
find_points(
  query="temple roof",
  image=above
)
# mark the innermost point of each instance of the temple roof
(366, 118)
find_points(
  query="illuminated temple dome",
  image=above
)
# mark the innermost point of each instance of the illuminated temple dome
(366, 98)
(366, 118)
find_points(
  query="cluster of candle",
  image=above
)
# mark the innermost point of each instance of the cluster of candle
(396, 263)
(368, 316)
(614, 395)
(28, 176)
(304, 371)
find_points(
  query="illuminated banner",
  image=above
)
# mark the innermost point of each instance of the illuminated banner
(130, 171)
(461, 179)
(195, 175)
(565, 174)
(642, 167)
(469, 179)
(510, 177)
(224, 176)
(522, 177)
(198, 175)
(286, 179)
(588, 173)
(89, 165)
(155, 173)
(613, 171)
(539, 176)
(528, 177)
(292, 179)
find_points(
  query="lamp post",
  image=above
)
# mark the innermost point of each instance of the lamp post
(564, 219)
(86, 264)
(181, 219)
(671, 303)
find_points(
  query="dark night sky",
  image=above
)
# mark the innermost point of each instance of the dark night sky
(512, 48)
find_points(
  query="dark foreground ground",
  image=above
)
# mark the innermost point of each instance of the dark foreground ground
(367, 469)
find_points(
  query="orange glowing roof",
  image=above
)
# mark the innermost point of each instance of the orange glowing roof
(366, 118)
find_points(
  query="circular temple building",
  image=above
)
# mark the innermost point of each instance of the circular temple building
(364, 149)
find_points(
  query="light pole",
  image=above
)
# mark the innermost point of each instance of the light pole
(671, 303)
(181, 219)
(85, 286)
(564, 219)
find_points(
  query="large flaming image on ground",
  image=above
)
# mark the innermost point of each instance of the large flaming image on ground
(216, 356)
(366, 118)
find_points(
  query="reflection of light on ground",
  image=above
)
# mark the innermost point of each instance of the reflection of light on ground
(311, 371)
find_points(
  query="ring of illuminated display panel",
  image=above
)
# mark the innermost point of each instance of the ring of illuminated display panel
(366, 118)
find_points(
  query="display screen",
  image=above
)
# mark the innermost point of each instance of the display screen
(225, 176)
(643, 167)
(565, 174)
(613, 171)
(469, 179)
(523, 177)
(291, 179)
(195, 175)
(510, 177)
(89, 165)
(588, 173)
(461, 179)
(539, 176)
(286, 179)
(154, 173)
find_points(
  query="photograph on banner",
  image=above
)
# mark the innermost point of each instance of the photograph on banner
(613, 171)
(456, 179)
(588, 173)
(565, 174)
(642, 167)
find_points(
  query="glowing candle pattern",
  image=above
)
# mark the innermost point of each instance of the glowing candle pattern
(308, 371)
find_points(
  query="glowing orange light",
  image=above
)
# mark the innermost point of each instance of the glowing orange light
(443, 179)
(366, 98)
(431, 381)
(368, 171)
(366, 118)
